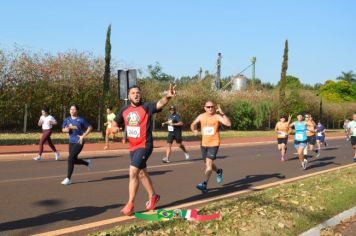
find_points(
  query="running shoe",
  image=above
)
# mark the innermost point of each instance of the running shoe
(282, 158)
(128, 209)
(202, 187)
(90, 164)
(38, 158)
(318, 154)
(106, 147)
(66, 181)
(186, 156)
(57, 156)
(305, 166)
(165, 160)
(151, 204)
(219, 176)
(354, 159)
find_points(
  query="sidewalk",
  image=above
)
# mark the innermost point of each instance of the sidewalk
(27, 151)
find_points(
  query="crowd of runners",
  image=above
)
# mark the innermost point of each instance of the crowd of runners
(137, 121)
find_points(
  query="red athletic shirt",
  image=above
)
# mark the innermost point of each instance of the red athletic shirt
(138, 124)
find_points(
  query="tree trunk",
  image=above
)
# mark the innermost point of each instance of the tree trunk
(25, 119)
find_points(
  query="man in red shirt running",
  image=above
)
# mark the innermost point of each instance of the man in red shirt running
(137, 118)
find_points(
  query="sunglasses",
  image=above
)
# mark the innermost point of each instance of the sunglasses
(209, 107)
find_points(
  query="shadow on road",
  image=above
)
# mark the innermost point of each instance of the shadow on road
(126, 176)
(198, 159)
(71, 214)
(234, 186)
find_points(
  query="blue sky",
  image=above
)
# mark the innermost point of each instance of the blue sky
(186, 35)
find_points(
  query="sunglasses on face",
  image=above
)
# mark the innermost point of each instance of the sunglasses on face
(209, 107)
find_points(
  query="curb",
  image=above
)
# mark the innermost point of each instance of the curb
(331, 222)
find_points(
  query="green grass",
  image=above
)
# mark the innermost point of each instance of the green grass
(95, 137)
(289, 209)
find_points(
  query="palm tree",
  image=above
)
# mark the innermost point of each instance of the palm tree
(347, 76)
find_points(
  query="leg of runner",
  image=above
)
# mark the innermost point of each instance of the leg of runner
(106, 140)
(74, 150)
(147, 184)
(354, 147)
(53, 148)
(181, 146)
(318, 143)
(168, 153)
(282, 149)
(40, 145)
(302, 160)
(133, 187)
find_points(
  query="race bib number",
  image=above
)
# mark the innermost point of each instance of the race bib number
(282, 134)
(133, 132)
(299, 136)
(320, 134)
(208, 131)
(170, 128)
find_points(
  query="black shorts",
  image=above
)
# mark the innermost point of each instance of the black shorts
(311, 140)
(282, 140)
(209, 152)
(140, 156)
(174, 136)
(353, 140)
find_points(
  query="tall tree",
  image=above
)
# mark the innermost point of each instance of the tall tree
(349, 76)
(283, 81)
(106, 79)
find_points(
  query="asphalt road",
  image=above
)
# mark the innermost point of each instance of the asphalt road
(34, 201)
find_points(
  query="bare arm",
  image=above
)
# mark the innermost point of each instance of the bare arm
(223, 119)
(171, 92)
(81, 137)
(194, 124)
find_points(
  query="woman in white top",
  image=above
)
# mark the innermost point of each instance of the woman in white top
(46, 122)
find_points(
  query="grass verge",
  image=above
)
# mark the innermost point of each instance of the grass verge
(95, 137)
(288, 209)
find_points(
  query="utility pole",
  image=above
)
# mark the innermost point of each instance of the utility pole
(253, 60)
(200, 72)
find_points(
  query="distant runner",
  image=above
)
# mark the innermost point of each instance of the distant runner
(109, 130)
(174, 126)
(209, 123)
(282, 129)
(78, 128)
(320, 137)
(46, 122)
(300, 139)
(311, 134)
(351, 132)
(346, 129)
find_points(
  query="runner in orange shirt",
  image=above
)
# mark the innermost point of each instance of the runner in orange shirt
(209, 123)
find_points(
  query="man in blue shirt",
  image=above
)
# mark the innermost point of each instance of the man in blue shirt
(78, 128)
(174, 126)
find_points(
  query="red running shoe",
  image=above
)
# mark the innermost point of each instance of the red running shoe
(151, 204)
(128, 209)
